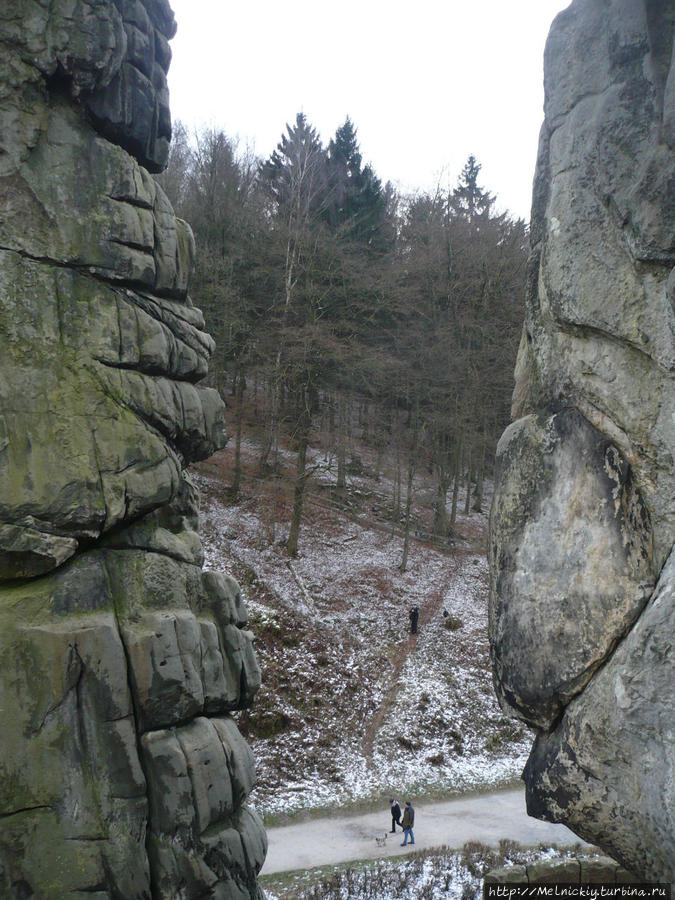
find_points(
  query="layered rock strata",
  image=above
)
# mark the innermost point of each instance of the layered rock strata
(582, 609)
(580, 870)
(122, 771)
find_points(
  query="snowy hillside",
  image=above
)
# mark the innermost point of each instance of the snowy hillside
(353, 707)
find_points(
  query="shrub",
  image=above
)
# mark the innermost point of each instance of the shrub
(452, 623)
(424, 700)
(268, 724)
(478, 858)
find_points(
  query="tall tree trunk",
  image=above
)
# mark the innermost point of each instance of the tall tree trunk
(440, 524)
(218, 374)
(365, 423)
(341, 447)
(396, 512)
(478, 496)
(331, 416)
(271, 428)
(304, 425)
(272, 438)
(380, 443)
(406, 519)
(469, 474)
(239, 416)
(455, 486)
(378, 460)
(412, 465)
(326, 429)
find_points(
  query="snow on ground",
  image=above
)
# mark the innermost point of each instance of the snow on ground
(433, 875)
(446, 684)
(352, 708)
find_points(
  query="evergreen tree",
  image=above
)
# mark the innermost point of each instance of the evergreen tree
(343, 150)
(469, 200)
(357, 205)
(295, 173)
(294, 177)
(344, 173)
(319, 290)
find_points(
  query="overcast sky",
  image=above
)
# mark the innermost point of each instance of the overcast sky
(426, 82)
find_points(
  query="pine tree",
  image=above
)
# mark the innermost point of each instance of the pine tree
(294, 178)
(344, 172)
(469, 200)
(295, 173)
(357, 205)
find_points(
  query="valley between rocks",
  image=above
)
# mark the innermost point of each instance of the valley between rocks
(353, 708)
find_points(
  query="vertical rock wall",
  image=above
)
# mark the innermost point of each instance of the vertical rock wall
(582, 612)
(122, 773)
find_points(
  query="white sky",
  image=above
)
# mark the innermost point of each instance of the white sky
(426, 82)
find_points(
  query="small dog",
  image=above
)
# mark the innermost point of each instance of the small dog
(381, 841)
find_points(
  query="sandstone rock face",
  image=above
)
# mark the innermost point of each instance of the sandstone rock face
(581, 542)
(584, 870)
(122, 773)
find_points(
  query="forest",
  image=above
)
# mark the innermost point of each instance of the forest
(339, 304)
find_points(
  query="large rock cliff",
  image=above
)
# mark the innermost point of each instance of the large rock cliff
(122, 772)
(582, 611)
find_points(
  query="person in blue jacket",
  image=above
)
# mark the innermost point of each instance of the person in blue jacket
(407, 823)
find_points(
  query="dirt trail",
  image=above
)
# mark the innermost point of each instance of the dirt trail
(485, 817)
(402, 651)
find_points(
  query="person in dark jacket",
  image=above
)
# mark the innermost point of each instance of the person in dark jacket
(407, 823)
(395, 815)
(414, 616)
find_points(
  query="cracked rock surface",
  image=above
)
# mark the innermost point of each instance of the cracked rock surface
(582, 603)
(122, 771)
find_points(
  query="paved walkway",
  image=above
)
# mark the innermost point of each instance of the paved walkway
(485, 817)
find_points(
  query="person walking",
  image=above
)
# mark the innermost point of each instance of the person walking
(395, 815)
(414, 616)
(407, 823)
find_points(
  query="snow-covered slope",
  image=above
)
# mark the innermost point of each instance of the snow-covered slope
(354, 708)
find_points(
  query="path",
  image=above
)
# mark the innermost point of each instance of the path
(401, 652)
(400, 655)
(485, 817)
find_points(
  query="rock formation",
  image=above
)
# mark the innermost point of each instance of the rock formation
(582, 609)
(122, 772)
(569, 870)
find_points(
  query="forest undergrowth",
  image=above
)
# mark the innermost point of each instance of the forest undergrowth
(440, 874)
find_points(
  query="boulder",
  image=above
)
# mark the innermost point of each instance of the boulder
(582, 523)
(572, 551)
(122, 772)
